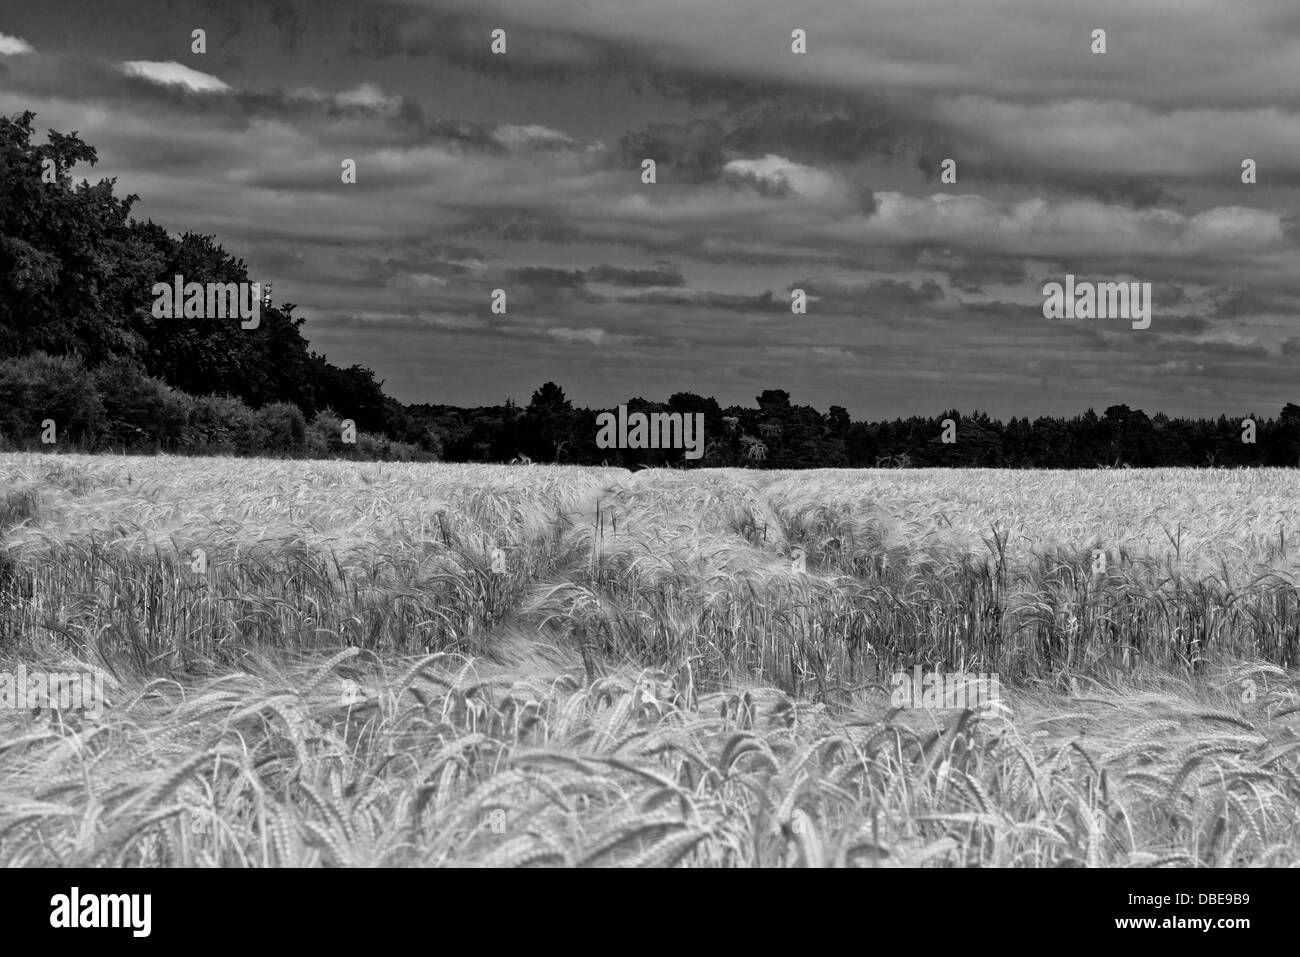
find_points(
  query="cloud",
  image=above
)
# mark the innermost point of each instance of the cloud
(432, 259)
(518, 137)
(699, 298)
(691, 152)
(970, 270)
(664, 274)
(1235, 303)
(365, 96)
(1158, 50)
(1180, 366)
(1106, 140)
(534, 289)
(833, 352)
(519, 225)
(172, 73)
(592, 334)
(286, 18)
(545, 276)
(14, 46)
(1039, 227)
(879, 292)
(418, 282)
(776, 176)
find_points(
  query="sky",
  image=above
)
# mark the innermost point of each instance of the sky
(775, 171)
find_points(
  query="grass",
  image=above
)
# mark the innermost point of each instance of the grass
(401, 664)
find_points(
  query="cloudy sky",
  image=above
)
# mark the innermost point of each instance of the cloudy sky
(818, 171)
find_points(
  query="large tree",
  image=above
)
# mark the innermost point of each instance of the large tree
(74, 272)
(550, 423)
(77, 277)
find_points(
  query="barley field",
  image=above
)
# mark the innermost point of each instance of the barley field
(352, 664)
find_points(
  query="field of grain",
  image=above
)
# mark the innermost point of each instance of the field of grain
(330, 663)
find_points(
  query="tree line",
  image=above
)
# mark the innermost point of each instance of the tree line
(778, 434)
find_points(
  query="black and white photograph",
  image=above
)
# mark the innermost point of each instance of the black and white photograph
(649, 435)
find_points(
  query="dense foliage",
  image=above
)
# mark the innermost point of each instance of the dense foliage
(79, 344)
(778, 434)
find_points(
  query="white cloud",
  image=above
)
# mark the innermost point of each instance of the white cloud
(1236, 225)
(833, 352)
(514, 136)
(1125, 138)
(13, 46)
(367, 96)
(172, 73)
(1036, 226)
(593, 335)
(784, 176)
(418, 281)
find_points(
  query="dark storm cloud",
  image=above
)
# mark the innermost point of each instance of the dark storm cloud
(969, 270)
(807, 128)
(1140, 194)
(1177, 325)
(517, 225)
(690, 152)
(545, 290)
(711, 301)
(664, 274)
(877, 293)
(1291, 227)
(229, 19)
(543, 276)
(290, 21)
(1234, 303)
(461, 38)
(1212, 349)
(1166, 294)
(430, 259)
(1006, 169)
(817, 127)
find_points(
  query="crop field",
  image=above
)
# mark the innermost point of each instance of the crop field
(351, 664)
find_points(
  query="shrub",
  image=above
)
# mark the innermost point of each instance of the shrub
(325, 436)
(325, 441)
(38, 387)
(140, 411)
(282, 430)
(223, 424)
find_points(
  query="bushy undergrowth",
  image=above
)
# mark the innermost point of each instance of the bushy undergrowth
(116, 407)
